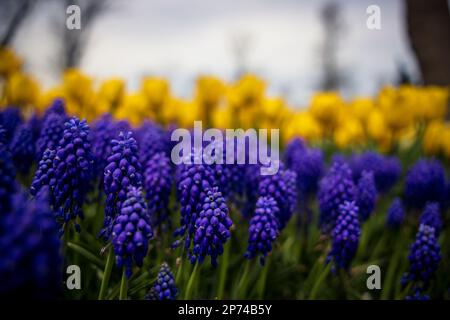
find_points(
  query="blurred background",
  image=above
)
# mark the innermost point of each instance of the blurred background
(301, 46)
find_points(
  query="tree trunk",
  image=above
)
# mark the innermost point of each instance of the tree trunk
(429, 32)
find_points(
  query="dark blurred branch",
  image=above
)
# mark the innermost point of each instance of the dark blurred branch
(331, 22)
(74, 41)
(20, 12)
(429, 33)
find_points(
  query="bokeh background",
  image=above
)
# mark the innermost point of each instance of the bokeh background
(289, 42)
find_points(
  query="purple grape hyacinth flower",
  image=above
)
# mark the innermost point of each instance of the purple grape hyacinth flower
(51, 133)
(131, 231)
(282, 187)
(424, 257)
(22, 148)
(73, 165)
(10, 119)
(45, 174)
(366, 195)
(7, 175)
(335, 188)
(431, 216)
(192, 181)
(396, 214)
(425, 182)
(122, 171)
(386, 170)
(30, 259)
(345, 235)
(212, 228)
(263, 230)
(158, 181)
(164, 287)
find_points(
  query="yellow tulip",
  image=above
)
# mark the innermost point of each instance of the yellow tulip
(349, 133)
(111, 92)
(433, 137)
(134, 109)
(9, 62)
(301, 124)
(247, 91)
(21, 90)
(326, 108)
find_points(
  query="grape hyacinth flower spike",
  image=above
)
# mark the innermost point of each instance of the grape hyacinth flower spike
(366, 195)
(431, 216)
(51, 133)
(263, 230)
(22, 148)
(44, 174)
(158, 180)
(30, 260)
(212, 228)
(396, 214)
(164, 287)
(122, 171)
(336, 187)
(73, 165)
(193, 180)
(345, 235)
(131, 231)
(282, 188)
(10, 119)
(424, 258)
(7, 175)
(425, 182)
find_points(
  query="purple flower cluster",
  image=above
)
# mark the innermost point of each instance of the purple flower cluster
(73, 166)
(7, 175)
(424, 257)
(10, 119)
(345, 235)
(307, 163)
(57, 107)
(425, 182)
(158, 181)
(396, 214)
(263, 229)
(104, 130)
(122, 171)
(164, 287)
(30, 260)
(335, 188)
(152, 139)
(282, 188)
(431, 216)
(53, 125)
(192, 181)
(22, 148)
(44, 174)
(386, 170)
(212, 228)
(131, 231)
(366, 195)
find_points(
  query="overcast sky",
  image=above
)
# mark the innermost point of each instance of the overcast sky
(180, 39)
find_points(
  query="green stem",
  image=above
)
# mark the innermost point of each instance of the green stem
(123, 286)
(85, 253)
(106, 274)
(223, 272)
(262, 281)
(242, 284)
(190, 284)
(319, 282)
(178, 275)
